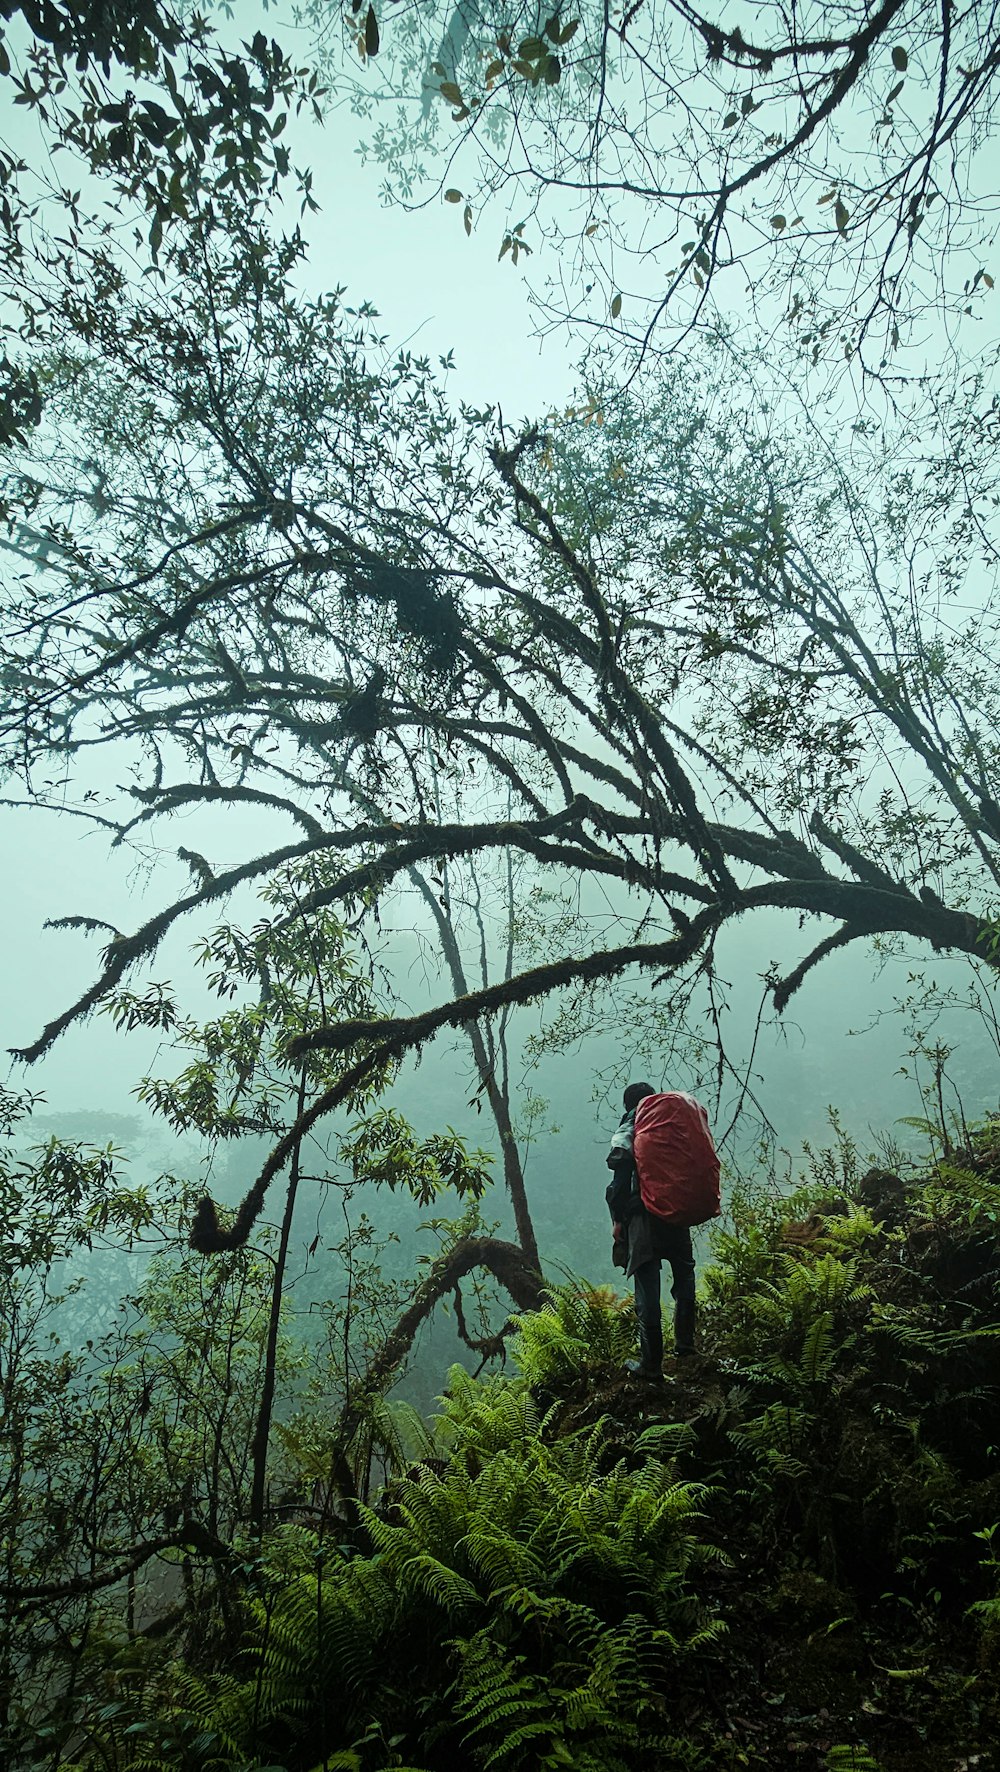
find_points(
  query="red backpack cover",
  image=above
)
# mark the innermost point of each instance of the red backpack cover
(676, 1160)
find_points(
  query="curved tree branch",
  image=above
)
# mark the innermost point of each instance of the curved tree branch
(505, 1261)
(190, 1536)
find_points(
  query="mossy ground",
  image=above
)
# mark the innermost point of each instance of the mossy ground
(808, 1666)
(785, 1557)
(845, 1413)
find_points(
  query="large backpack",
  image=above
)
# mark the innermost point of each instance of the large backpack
(675, 1159)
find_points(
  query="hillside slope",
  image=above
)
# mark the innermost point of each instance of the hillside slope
(786, 1556)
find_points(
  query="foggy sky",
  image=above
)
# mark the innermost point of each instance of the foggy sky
(437, 291)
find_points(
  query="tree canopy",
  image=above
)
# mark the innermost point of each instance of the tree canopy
(672, 640)
(152, 113)
(658, 645)
(825, 170)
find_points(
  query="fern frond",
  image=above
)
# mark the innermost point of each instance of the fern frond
(441, 1584)
(501, 1558)
(665, 1439)
(818, 1352)
(581, 1328)
(401, 1431)
(851, 1759)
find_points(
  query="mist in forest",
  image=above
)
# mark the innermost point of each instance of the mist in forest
(498, 603)
(846, 1040)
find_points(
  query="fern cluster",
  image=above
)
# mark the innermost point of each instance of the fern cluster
(581, 1330)
(534, 1598)
(541, 1584)
(866, 1378)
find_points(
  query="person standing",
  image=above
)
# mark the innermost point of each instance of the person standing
(666, 1178)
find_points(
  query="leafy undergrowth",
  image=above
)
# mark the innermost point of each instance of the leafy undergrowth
(845, 1412)
(787, 1556)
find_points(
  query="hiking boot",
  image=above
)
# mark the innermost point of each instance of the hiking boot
(684, 1321)
(636, 1369)
(650, 1361)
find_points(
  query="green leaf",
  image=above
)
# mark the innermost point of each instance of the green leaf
(4, 59)
(371, 32)
(841, 215)
(175, 196)
(728, 121)
(894, 94)
(453, 196)
(451, 92)
(553, 69)
(778, 222)
(616, 307)
(900, 59)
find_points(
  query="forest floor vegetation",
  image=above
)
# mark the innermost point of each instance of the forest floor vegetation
(786, 1556)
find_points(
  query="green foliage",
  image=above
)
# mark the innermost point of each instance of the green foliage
(384, 1150)
(530, 1599)
(127, 1408)
(581, 1330)
(556, 1570)
(865, 1336)
(986, 1613)
(295, 967)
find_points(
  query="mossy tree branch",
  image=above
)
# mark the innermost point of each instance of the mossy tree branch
(863, 909)
(505, 1261)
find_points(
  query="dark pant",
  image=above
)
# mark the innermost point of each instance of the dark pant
(674, 1245)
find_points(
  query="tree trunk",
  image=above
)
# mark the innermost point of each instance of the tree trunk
(262, 1433)
(496, 1095)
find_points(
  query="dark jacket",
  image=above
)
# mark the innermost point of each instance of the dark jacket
(623, 1197)
(625, 1200)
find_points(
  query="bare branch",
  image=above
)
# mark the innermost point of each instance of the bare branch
(190, 1536)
